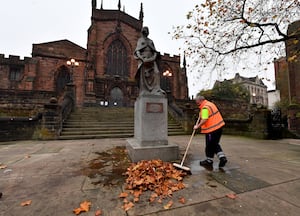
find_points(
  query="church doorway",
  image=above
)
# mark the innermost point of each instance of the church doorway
(63, 77)
(116, 97)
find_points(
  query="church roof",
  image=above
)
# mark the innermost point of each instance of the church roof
(59, 49)
(256, 79)
(240, 79)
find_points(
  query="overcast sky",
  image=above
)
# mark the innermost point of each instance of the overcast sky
(24, 22)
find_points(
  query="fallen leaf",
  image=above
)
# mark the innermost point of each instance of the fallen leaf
(168, 205)
(153, 197)
(77, 211)
(231, 196)
(98, 213)
(3, 166)
(127, 206)
(84, 207)
(182, 200)
(26, 203)
(137, 193)
(123, 195)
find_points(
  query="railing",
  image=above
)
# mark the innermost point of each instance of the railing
(67, 107)
(185, 116)
(55, 114)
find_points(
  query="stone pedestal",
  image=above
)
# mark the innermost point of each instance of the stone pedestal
(151, 130)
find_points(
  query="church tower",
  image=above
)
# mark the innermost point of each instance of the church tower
(111, 67)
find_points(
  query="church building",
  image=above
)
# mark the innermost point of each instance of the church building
(103, 73)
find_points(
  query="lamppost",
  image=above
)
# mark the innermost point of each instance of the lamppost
(254, 98)
(73, 63)
(167, 74)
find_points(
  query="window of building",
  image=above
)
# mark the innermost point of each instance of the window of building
(117, 61)
(15, 73)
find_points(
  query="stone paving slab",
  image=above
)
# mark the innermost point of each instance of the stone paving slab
(251, 203)
(238, 182)
(274, 172)
(287, 191)
(50, 173)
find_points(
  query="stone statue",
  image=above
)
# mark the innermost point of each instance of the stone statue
(147, 75)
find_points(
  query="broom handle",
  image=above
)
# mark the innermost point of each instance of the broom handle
(188, 146)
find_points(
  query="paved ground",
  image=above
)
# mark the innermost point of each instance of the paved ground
(58, 175)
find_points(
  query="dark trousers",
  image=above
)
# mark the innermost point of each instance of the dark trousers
(212, 143)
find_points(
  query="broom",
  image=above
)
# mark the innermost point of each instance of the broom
(180, 166)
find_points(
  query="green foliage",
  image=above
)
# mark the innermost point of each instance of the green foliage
(283, 105)
(227, 90)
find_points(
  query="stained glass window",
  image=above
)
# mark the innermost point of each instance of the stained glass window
(117, 62)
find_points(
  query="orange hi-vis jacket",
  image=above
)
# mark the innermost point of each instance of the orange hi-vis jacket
(215, 119)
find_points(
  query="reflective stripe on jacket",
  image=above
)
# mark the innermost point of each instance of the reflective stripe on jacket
(215, 119)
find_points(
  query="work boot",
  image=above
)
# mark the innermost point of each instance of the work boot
(223, 161)
(206, 162)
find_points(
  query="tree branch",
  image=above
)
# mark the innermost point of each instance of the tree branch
(254, 45)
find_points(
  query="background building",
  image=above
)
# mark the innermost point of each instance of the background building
(273, 98)
(257, 89)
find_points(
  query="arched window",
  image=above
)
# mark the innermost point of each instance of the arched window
(63, 77)
(116, 63)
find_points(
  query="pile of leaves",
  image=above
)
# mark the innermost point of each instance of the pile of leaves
(162, 178)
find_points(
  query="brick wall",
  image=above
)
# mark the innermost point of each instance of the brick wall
(293, 57)
(281, 74)
(18, 128)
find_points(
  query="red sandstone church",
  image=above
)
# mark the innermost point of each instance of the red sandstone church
(103, 73)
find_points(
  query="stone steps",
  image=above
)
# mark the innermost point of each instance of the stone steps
(97, 123)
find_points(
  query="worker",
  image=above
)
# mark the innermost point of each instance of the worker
(211, 124)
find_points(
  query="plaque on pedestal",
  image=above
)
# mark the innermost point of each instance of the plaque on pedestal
(151, 130)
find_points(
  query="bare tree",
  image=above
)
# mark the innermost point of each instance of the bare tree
(219, 31)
